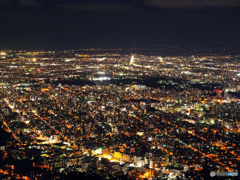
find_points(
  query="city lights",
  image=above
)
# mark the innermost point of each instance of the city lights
(112, 114)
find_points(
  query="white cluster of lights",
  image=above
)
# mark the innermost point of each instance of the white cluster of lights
(101, 78)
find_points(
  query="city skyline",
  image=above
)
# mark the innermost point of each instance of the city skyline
(114, 114)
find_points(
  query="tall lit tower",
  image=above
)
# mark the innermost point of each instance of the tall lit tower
(131, 60)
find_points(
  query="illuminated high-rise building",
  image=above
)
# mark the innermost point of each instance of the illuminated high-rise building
(219, 93)
(131, 60)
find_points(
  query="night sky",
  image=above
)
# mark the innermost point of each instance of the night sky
(67, 24)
